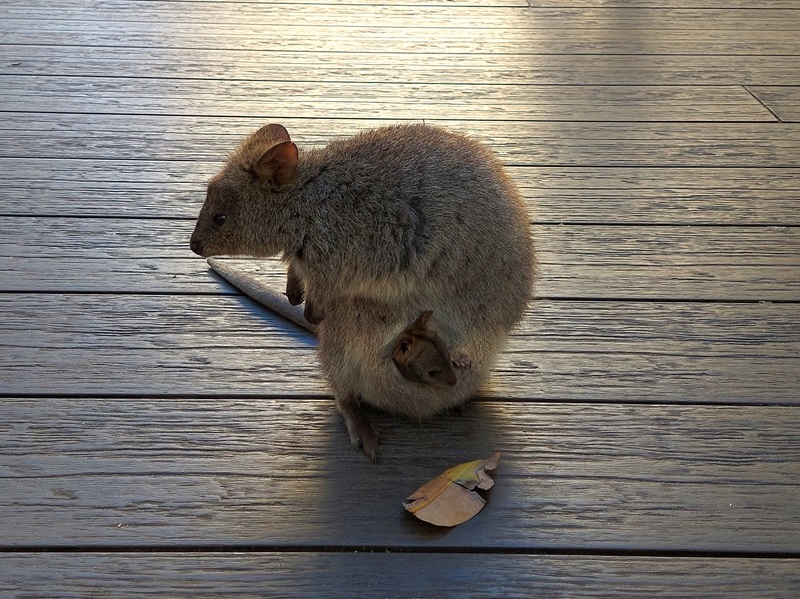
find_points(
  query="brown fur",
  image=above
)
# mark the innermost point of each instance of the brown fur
(421, 356)
(418, 351)
(378, 228)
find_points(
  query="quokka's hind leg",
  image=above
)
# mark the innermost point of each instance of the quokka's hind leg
(362, 434)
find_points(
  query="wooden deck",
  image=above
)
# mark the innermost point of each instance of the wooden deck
(160, 435)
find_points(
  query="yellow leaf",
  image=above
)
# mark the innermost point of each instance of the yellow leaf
(449, 499)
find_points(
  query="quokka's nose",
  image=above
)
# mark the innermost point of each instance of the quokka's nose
(196, 246)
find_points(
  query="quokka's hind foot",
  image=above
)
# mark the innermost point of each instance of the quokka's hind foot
(362, 434)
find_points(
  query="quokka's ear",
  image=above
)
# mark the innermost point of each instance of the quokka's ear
(278, 165)
(273, 132)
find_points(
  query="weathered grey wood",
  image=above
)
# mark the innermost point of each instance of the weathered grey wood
(392, 101)
(750, 4)
(559, 245)
(624, 4)
(633, 8)
(259, 17)
(696, 329)
(111, 344)
(658, 282)
(663, 196)
(460, 66)
(152, 255)
(360, 574)
(162, 472)
(453, 50)
(532, 51)
(197, 420)
(683, 280)
(189, 138)
(737, 196)
(783, 101)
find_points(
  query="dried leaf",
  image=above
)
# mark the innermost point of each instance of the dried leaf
(450, 499)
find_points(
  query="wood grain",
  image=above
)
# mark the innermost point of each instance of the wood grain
(316, 574)
(260, 17)
(452, 50)
(569, 195)
(461, 63)
(487, 102)
(161, 435)
(782, 101)
(624, 4)
(152, 255)
(189, 138)
(688, 278)
(275, 473)
(78, 344)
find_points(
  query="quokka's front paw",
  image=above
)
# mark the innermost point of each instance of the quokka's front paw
(295, 287)
(312, 313)
(294, 295)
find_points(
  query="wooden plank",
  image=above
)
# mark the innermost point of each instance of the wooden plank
(625, 4)
(690, 263)
(557, 245)
(653, 196)
(656, 264)
(316, 574)
(443, 44)
(459, 62)
(515, 47)
(783, 101)
(256, 18)
(392, 101)
(737, 196)
(191, 138)
(212, 346)
(659, 282)
(196, 456)
(619, 4)
(448, 3)
(711, 330)
(276, 473)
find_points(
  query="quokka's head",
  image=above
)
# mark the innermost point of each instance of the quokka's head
(242, 214)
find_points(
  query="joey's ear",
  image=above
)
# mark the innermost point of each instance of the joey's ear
(274, 132)
(278, 165)
(422, 321)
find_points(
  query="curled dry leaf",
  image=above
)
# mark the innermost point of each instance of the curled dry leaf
(450, 498)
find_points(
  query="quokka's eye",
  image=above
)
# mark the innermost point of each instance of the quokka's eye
(219, 219)
(433, 373)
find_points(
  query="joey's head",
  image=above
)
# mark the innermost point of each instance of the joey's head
(421, 357)
(248, 208)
